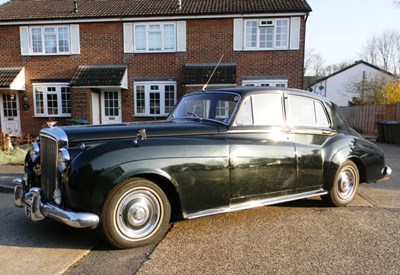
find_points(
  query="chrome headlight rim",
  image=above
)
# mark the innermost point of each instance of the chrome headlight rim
(64, 159)
(34, 152)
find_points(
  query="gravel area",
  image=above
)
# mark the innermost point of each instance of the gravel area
(283, 240)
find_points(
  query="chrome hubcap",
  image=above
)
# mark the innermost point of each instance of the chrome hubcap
(347, 183)
(139, 214)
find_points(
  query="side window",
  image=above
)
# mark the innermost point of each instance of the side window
(245, 116)
(305, 111)
(322, 119)
(261, 110)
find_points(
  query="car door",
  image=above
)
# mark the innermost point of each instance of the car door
(309, 128)
(262, 155)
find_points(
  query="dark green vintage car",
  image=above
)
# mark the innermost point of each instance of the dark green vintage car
(218, 151)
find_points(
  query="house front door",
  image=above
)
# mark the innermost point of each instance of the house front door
(111, 107)
(10, 119)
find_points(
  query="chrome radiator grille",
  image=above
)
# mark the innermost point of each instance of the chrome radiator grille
(48, 159)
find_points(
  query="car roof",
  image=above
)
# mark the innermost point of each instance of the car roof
(246, 90)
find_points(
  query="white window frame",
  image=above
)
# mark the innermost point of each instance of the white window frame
(275, 34)
(43, 87)
(279, 83)
(148, 91)
(147, 33)
(27, 40)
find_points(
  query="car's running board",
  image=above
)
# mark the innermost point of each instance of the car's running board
(256, 203)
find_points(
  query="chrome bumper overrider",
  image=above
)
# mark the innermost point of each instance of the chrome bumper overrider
(36, 210)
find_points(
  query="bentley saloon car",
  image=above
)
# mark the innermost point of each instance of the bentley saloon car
(218, 151)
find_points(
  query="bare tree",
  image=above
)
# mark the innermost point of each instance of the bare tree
(383, 51)
(313, 63)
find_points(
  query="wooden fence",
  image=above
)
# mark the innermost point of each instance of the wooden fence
(364, 118)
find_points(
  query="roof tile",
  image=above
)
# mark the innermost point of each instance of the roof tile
(63, 9)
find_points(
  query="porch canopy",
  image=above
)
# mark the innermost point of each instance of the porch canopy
(199, 74)
(12, 78)
(101, 76)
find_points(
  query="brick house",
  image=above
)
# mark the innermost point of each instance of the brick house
(126, 60)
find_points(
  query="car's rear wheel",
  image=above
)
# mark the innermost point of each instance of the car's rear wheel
(136, 213)
(345, 185)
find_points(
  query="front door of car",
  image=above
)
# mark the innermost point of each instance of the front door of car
(262, 155)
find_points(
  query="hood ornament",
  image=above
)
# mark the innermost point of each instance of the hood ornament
(140, 135)
(51, 124)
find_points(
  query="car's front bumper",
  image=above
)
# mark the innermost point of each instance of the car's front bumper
(36, 210)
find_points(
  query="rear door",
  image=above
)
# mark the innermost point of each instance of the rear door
(309, 128)
(262, 155)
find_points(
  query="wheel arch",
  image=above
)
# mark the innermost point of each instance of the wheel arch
(337, 160)
(166, 184)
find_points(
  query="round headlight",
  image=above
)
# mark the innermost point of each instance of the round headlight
(34, 151)
(63, 160)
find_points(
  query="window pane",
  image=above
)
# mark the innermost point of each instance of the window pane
(251, 34)
(267, 109)
(50, 43)
(140, 99)
(52, 104)
(322, 119)
(63, 40)
(154, 38)
(266, 37)
(140, 37)
(301, 111)
(169, 98)
(282, 31)
(37, 40)
(245, 116)
(169, 37)
(155, 103)
(66, 100)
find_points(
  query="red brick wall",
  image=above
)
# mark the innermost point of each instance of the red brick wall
(102, 44)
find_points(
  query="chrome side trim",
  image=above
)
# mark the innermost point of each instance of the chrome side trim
(36, 210)
(256, 203)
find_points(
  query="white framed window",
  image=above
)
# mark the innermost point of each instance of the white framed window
(281, 83)
(50, 40)
(52, 99)
(154, 98)
(266, 34)
(154, 37)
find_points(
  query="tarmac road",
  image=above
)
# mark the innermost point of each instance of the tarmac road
(299, 237)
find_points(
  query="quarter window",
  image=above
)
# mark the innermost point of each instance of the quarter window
(154, 98)
(266, 34)
(155, 37)
(52, 100)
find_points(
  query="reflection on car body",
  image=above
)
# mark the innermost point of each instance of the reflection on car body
(218, 151)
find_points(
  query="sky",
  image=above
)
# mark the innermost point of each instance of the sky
(337, 29)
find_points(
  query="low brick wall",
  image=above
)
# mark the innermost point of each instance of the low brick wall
(364, 118)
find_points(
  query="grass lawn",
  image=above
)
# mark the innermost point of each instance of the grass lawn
(15, 156)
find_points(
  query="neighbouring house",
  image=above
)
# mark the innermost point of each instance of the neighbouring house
(127, 60)
(344, 85)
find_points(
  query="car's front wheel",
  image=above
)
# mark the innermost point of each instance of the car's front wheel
(136, 213)
(345, 185)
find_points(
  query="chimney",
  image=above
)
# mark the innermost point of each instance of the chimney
(76, 6)
(179, 6)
